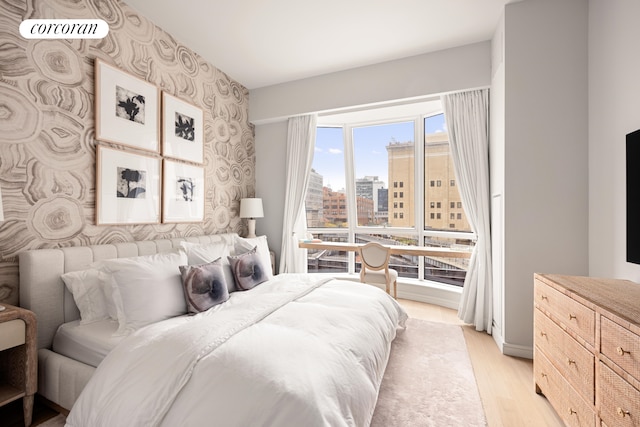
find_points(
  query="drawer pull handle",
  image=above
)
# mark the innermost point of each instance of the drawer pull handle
(543, 375)
(571, 411)
(572, 316)
(622, 412)
(544, 334)
(544, 297)
(571, 361)
(621, 351)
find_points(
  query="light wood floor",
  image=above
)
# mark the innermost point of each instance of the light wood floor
(505, 383)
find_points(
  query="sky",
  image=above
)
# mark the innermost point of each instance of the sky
(369, 149)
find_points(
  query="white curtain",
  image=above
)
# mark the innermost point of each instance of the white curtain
(301, 141)
(467, 117)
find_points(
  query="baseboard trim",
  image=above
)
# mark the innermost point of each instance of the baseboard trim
(515, 350)
(507, 349)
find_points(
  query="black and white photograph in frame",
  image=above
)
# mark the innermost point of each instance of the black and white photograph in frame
(127, 108)
(127, 187)
(183, 192)
(182, 130)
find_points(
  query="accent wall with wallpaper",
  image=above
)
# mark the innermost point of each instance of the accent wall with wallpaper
(47, 129)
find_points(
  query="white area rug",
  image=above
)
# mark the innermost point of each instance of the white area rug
(429, 380)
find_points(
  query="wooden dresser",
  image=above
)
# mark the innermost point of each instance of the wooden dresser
(587, 349)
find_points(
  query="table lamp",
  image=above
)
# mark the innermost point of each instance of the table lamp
(251, 208)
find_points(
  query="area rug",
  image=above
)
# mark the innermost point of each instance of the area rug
(429, 380)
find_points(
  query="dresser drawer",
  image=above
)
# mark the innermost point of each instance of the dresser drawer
(569, 357)
(574, 316)
(574, 411)
(621, 346)
(619, 401)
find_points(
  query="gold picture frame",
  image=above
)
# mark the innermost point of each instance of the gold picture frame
(183, 192)
(127, 109)
(127, 187)
(182, 130)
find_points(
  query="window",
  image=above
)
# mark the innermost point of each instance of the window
(384, 177)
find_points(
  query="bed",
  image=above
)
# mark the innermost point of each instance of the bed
(289, 349)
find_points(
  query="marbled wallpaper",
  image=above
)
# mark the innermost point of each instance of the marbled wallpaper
(47, 129)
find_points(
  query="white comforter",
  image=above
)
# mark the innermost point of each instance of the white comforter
(293, 351)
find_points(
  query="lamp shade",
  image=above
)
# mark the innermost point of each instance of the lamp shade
(251, 208)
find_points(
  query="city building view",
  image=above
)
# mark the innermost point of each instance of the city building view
(385, 205)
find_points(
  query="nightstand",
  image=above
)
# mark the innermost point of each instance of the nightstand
(18, 358)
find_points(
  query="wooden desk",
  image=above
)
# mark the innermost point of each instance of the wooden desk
(395, 249)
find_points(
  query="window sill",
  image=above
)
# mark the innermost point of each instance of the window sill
(417, 290)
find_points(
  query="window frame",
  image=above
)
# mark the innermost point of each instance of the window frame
(420, 208)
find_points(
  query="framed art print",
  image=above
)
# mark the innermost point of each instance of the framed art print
(127, 187)
(183, 192)
(127, 109)
(182, 130)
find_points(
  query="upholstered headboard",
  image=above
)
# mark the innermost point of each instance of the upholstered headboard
(43, 291)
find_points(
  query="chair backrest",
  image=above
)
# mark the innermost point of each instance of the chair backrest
(374, 256)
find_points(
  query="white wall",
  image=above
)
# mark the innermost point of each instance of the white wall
(454, 69)
(271, 144)
(614, 111)
(544, 159)
(448, 70)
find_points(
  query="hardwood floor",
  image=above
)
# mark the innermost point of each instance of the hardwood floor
(505, 383)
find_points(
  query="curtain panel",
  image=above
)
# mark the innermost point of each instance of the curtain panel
(301, 141)
(467, 118)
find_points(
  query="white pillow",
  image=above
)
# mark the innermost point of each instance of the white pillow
(204, 253)
(243, 245)
(86, 287)
(146, 289)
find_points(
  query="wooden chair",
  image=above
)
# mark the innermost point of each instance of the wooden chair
(374, 259)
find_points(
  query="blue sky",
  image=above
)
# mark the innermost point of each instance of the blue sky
(369, 149)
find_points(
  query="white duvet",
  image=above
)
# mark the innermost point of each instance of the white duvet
(293, 351)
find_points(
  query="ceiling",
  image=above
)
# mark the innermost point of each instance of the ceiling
(265, 42)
